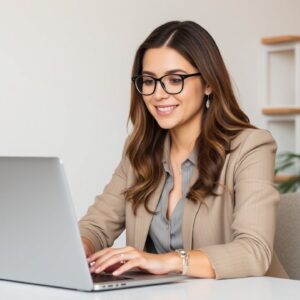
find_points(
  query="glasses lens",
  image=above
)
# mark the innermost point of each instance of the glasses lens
(172, 83)
(145, 85)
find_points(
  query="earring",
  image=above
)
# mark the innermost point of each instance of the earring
(207, 104)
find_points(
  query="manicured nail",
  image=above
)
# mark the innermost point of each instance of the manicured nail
(98, 270)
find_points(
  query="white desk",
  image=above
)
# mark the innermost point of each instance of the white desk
(264, 288)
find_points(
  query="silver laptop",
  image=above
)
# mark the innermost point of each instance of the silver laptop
(40, 240)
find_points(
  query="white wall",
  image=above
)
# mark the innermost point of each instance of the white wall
(65, 72)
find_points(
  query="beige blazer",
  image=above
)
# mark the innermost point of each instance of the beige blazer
(235, 230)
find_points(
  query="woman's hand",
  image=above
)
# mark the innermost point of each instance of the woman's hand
(120, 260)
(88, 246)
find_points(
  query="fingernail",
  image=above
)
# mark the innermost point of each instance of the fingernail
(98, 270)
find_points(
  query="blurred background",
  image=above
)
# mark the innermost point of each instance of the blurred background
(65, 68)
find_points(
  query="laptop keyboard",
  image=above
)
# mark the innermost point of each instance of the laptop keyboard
(107, 277)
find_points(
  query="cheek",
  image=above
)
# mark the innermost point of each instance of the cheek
(193, 97)
(147, 102)
(198, 94)
(145, 99)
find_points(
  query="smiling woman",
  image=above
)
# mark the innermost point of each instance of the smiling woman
(177, 99)
(194, 188)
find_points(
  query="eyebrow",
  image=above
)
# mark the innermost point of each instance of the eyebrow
(167, 72)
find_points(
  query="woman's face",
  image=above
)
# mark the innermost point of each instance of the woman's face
(173, 111)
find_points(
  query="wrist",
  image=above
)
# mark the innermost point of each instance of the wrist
(174, 262)
(88, 246)
(184, 257)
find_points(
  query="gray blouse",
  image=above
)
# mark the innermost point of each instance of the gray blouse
(165, 235)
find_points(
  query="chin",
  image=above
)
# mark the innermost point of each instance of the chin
(165, 125)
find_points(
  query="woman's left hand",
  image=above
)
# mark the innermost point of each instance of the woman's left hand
(127, 258)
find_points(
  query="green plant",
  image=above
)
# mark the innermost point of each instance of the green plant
(284, 162)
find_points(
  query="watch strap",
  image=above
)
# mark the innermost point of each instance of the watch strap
(185, 260)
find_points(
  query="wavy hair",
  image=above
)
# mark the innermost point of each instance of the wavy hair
(221, 123)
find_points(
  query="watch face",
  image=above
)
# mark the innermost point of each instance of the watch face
(184, 257)
(181, 252)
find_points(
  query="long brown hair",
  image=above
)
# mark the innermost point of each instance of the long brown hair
(223, 121)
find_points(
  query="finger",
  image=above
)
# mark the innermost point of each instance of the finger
(102, 265)
(112, 268)
(108, 254)
(131, 264)
(117, 258)
(105, 251)
(98, 254)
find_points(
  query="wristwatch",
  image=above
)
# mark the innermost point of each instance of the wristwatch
(185, 260)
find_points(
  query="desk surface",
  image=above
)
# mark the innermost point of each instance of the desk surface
(264, 288)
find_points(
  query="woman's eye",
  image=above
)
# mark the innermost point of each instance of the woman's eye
(148, 81)
(175, 80)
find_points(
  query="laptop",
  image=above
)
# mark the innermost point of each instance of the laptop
(40, 240)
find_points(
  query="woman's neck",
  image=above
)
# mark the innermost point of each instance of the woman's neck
(183, 140)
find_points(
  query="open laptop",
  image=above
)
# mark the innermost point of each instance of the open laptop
(40, 240)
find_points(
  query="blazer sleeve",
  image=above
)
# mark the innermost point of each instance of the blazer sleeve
(254, 216)
(105, 219)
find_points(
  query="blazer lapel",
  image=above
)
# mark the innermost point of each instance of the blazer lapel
(143, 219)
(189, 214)
(191, 208)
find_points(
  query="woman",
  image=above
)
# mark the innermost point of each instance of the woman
(194, 188)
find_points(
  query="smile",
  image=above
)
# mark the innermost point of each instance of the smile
(165, 110)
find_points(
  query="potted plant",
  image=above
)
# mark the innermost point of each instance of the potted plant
(284, 162)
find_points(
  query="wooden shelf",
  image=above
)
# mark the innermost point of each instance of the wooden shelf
(271, 111)
(280, 39)
(283, 178)
(281, 106)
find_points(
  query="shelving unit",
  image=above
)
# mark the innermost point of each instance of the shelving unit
(281, 95)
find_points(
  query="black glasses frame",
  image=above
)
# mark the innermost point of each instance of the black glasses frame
(182, 76)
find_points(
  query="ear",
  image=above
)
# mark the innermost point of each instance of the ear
(207, 90)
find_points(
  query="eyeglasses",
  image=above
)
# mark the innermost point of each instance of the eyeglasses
(171, 83)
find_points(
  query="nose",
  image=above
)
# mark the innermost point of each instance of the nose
(159, 92)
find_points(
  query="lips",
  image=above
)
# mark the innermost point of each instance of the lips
(165, 109)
